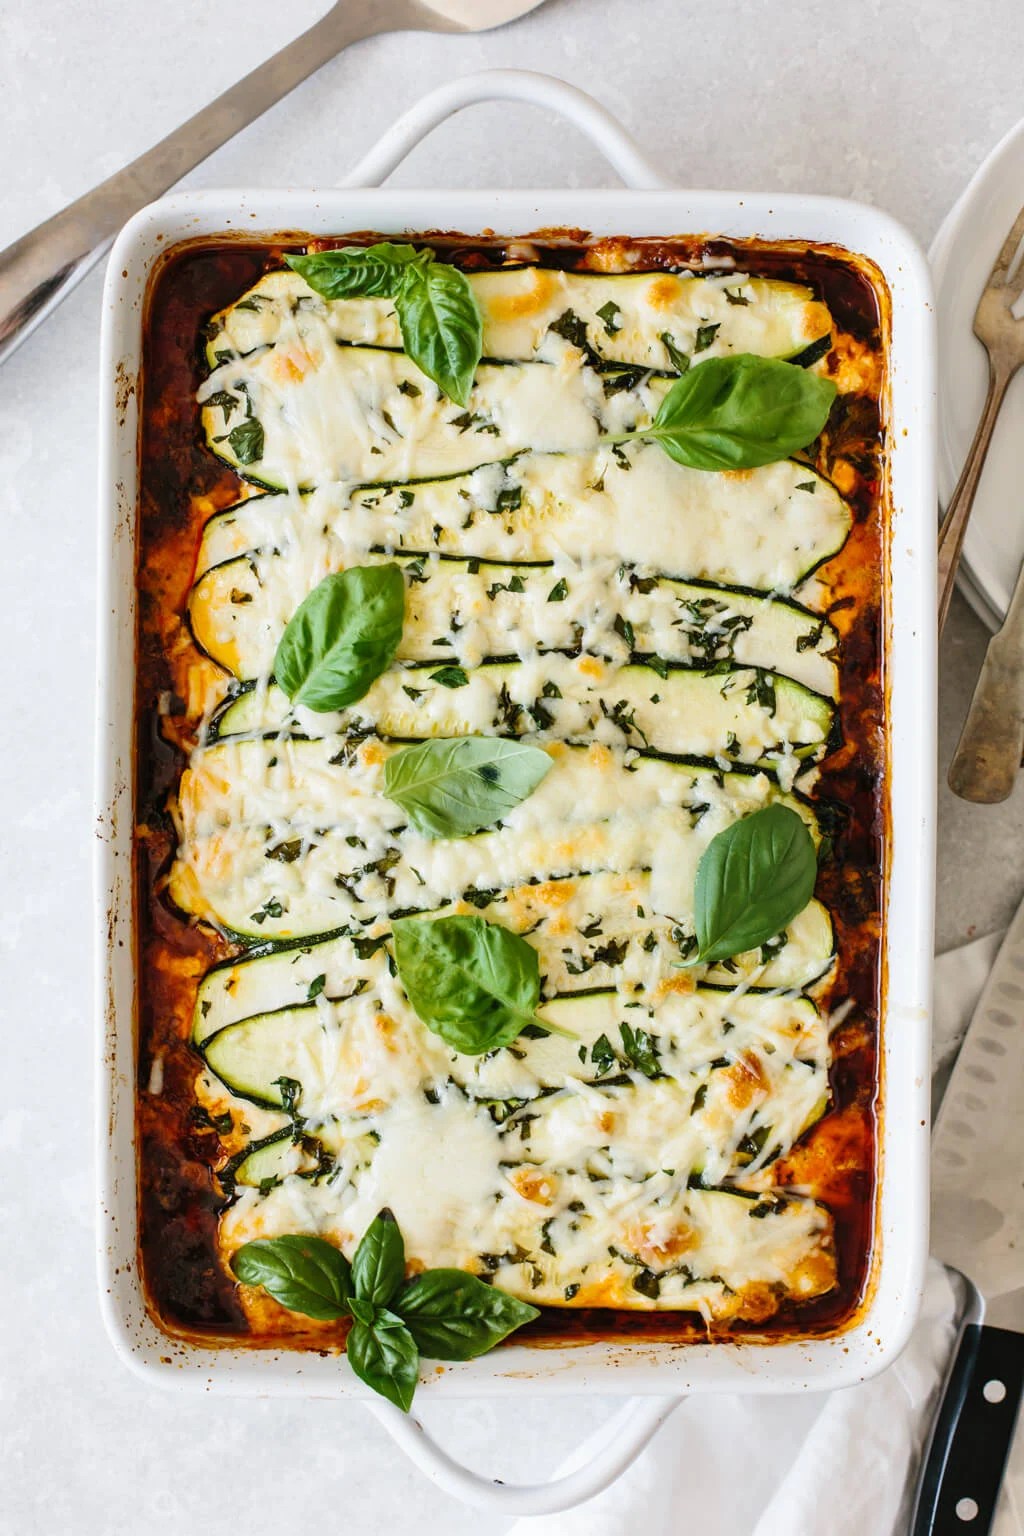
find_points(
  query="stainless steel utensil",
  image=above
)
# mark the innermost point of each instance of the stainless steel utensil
(1002, 335)
(978, 1229)
(38, 271)
(988, 755)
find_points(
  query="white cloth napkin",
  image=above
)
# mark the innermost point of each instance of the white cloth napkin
(841, 1463)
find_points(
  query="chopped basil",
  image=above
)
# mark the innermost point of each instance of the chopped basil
(450, 677)
(245, 441)
(677, 357)
(610, 313)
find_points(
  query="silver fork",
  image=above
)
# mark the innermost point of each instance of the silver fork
(38, 271)
(988, 755)
(1002, 336)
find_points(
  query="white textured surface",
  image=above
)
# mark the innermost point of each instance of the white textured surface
(896, 103)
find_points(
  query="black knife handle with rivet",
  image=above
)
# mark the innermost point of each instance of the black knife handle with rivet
(964, 1471)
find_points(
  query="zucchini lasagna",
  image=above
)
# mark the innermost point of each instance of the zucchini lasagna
(680, 1140)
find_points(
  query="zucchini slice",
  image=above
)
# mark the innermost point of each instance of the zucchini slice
(737, 714)
(461, 610)
(585, 1236)
(765, 529)
(688, 1122)
(558, 917)
(620, 318)
(265, 1163)
(277, 840)
(355, 1050)
(294, 417)
(669, 1246)
(713, 1086)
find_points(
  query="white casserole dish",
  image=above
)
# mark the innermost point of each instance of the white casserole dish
(661, 1372)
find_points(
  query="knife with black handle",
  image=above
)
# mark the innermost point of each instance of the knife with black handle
(978, 1229)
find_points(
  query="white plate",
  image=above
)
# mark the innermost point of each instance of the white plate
(961, 256)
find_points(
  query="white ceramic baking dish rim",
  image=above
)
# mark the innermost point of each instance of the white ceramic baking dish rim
(660, 1372)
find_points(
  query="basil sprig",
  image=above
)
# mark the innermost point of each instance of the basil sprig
(753, 879)
(444, 1314)
(437, 313)
(473, 983)
(342, 637)
(455, 788)
(738, 412)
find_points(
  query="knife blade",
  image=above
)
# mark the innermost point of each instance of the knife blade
(977, 1211)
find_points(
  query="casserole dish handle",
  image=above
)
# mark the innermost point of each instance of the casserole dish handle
(626, 1433)
(617, 1445)
(619, 148)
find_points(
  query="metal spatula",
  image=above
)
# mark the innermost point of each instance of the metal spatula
(40, 269)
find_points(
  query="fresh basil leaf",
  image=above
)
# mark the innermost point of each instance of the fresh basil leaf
(458, 787)
(358, 271)
(739, 412)
(386, 1358)
(342, 637)
(439, 318)
(363, 1311)
(454, 1316)
(450, 677)
(473, 983)
(305, 1274)
(245, 441)
(378, 1264)
(752, 880)
(441, 326)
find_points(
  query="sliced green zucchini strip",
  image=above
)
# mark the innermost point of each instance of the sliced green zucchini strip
(740, 714)
(293, 417)
(343, 1052)
(634, 946)
(458, 611)
(714, 1086)
(619, 318)
(279, 841)
(583, 1236)
(765, 529)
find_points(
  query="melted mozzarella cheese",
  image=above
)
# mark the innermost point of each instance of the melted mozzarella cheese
(765, 528)
(636, 952)
(738, 715)
(519, 305)
(464, 611)
(551, 567)
(278, 840)
(555, 1236)
(346, 414)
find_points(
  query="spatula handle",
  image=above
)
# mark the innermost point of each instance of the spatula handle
(963, 1472)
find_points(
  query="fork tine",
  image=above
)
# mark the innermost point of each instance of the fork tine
(1008, 252)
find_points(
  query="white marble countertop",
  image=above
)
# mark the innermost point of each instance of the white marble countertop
(891, 101)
